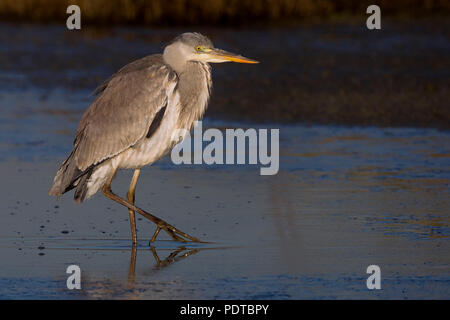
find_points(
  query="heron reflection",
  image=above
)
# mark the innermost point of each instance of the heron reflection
(176, 254)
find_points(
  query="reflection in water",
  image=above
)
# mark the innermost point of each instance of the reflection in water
(285, 218)
(174, 256)
(132, 268)
(177, 254)
(135, 286)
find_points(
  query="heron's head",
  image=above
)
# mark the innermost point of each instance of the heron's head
(196, 47)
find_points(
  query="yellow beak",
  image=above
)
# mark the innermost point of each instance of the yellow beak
(218, 55)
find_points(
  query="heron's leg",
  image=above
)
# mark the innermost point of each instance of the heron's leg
(130, 198)
(161, 224)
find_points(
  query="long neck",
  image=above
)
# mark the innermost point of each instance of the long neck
(194, 88)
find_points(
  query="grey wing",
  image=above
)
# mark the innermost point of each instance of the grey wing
(123, 112)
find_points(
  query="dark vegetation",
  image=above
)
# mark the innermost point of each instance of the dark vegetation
(212, 12)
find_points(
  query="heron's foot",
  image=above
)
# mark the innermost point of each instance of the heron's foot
(173, 232)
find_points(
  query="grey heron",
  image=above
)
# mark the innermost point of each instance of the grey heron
(131, 122)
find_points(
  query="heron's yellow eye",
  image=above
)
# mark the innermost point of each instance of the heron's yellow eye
(199, 48)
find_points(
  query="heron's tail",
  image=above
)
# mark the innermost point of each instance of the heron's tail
(69, 177)
(64, 177)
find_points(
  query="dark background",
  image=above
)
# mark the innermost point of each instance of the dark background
(319, 62)
(215, 12)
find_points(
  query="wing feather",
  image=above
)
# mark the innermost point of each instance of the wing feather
(123, 111)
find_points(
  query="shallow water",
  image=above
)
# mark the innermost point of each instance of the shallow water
(344, 198)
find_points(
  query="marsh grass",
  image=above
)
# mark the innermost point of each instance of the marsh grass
(217, 12)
